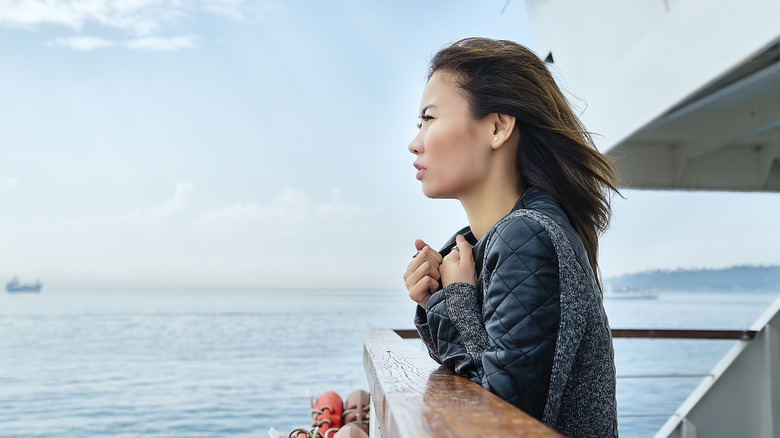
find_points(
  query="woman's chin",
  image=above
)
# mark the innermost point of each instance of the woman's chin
(434, 194)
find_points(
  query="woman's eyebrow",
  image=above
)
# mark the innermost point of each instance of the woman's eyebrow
(426, 108)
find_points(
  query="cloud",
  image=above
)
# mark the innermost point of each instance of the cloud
(291, 221)
(12, 182)
(163, 212)
(156, 44)
(290, 240)
(151, 44)
(138, 17)
(81, 43)
(241, 9)
(142, 20)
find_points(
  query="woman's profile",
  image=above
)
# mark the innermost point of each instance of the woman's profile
(513, 301)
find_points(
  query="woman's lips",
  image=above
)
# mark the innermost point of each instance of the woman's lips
(420, 170)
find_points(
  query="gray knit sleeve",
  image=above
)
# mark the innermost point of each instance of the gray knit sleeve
(448, 326)
(465, 314)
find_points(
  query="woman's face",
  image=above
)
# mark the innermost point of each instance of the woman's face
(452, 148)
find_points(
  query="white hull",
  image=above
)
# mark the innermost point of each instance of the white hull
(740, 397)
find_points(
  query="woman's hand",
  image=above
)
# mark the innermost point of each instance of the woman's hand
(422, 275)
(458, 266)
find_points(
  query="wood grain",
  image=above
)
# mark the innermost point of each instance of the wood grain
(414, 397)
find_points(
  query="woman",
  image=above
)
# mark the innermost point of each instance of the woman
(513, 301)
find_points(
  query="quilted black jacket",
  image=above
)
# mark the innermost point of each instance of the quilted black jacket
(533, 331)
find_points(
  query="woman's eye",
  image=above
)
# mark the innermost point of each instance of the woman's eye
(423, 119)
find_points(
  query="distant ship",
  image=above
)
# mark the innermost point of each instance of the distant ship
(626, 292)
(14, 286)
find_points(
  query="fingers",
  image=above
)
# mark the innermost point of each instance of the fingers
(458, 266)
(464, 248)
(418, 269)
(422, 274)
(422, 282)
(453, 256)
(426, 253)
(423, 290)
(461, 251)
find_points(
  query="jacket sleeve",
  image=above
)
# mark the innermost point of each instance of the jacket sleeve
(507, 344)
(421, 323)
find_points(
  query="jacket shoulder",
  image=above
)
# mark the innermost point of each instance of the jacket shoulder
(518, 230)
(520, 260)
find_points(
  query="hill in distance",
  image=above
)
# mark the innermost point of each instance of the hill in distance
(754, 278)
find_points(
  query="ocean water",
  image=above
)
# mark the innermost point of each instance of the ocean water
(645, 403)
(214, 363)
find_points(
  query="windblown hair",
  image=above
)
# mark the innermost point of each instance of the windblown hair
(555, 152)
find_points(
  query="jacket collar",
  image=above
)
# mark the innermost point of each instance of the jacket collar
(532, 199)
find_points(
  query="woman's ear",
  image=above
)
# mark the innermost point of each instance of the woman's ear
(503, 127)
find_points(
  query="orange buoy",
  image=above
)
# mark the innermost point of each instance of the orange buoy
(330, 418)
(326, 413)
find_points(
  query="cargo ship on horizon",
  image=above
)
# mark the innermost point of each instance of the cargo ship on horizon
(14, 286)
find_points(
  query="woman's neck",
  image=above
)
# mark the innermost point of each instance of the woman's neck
(484, 210)
(493, 198)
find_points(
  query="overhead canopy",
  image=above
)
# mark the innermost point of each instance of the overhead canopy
(726, 137)
(685, 94)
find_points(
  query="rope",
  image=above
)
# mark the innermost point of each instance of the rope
(361, 417)
(294, 433)
(314, 432)
(321, 411)
(330, 432)
(357, 420)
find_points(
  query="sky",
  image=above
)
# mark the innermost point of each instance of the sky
(263, 144)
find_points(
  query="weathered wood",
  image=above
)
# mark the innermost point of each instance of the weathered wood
(414, 397)
(407, 333)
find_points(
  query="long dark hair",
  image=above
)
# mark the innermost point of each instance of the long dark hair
(555, 152)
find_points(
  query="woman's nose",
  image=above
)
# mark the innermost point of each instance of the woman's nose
(415, 146)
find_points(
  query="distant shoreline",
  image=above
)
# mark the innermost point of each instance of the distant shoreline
(744, 278)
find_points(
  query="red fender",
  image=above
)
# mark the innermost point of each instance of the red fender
(327, 412)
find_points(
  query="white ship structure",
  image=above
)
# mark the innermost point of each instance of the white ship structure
(686, 96)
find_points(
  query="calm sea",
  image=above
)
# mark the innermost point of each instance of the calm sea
(214, 363)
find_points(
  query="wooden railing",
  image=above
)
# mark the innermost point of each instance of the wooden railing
(744, 335)
(412, 396)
